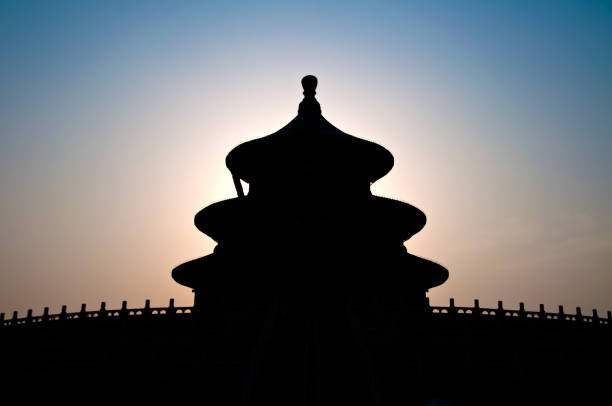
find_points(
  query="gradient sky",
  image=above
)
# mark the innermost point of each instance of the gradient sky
(116, 117)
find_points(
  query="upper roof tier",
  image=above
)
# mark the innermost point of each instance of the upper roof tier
(309, 141)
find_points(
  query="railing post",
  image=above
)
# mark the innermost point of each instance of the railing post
(83, 312)
(45, 316)
(595, 318)
(542, 312)
(579, 318)
(522, 313)
(123, 314)
(561, 314)
(63, 313)
(147, 309)
(2, 319)
(500, 309)
(29, 316)
(476, 311)
(102, 311)
(452, 311)
(171, 309)
(609, 318)
(15, 316)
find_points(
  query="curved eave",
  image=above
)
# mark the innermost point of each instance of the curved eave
(381, 216)
(275, 151)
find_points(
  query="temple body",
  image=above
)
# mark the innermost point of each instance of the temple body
(316, 252)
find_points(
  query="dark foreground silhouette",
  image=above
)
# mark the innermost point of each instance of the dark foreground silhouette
(310, 298)
(459, 355)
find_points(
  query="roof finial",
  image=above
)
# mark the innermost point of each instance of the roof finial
(309, 105)
(309, 83)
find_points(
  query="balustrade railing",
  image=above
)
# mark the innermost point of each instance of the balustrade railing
(101, 313)
(171, 311)
(521, 313)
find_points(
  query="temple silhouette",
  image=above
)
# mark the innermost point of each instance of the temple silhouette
(311, 298)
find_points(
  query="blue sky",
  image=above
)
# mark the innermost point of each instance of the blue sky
(115, 119)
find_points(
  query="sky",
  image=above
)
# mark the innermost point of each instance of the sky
(116, 117)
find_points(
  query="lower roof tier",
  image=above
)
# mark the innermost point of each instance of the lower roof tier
(361, 273)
